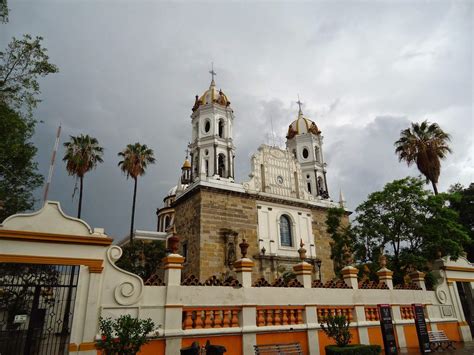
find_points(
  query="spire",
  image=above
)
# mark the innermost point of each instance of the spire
(213, 73)
(342, 202)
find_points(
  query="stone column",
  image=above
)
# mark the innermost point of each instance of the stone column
(243, 267)
(385, 275)
(418, 278)
(303, 269)
(173, 263)
(349, 274)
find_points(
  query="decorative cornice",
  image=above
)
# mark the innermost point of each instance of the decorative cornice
(197, 188)
(53, 238)
(94, 265)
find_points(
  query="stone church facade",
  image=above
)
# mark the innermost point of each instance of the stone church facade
(283, 205)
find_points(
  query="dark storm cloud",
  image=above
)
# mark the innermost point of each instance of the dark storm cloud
(129, 72)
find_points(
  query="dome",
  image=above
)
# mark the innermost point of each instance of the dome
(302, 125)
(186, 164)
(211, 95)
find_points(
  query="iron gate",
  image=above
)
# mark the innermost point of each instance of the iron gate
(36, 308)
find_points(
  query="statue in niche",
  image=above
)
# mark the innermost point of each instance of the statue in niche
(230, 248)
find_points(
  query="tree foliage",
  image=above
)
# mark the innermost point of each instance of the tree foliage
(125, 335)
(83, 153)
(342, 241)
(463, 204)
(337, 328)
(142, 258)
(424, 144)
(21, 64)
(409, 224)
(18, 170)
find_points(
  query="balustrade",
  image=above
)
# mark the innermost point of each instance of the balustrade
(407, 312)
(372, 313)
(324, 311)
(279, 315)
(210, 317)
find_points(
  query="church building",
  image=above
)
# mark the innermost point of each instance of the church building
(283, 205)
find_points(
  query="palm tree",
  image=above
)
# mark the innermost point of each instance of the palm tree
(83, 153)
(136, 157)
(424, 144)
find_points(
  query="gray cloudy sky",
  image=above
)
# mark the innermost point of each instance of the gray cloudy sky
(129, 72)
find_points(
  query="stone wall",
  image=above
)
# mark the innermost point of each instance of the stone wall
(222, 211)
(323, 243)
(188, 227)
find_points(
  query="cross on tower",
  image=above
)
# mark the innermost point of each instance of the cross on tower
(212, 72)
(299, 104)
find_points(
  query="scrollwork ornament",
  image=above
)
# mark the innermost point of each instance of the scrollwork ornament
(130, 290)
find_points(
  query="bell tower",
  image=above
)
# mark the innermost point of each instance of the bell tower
(212, 150)
(305, 142)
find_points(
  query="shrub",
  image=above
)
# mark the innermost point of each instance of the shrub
(123, 336)
(357, 349)
(337, 328)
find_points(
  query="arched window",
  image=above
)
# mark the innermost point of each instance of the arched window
(166, 224)
(221, 128)
(221, 165)
(286, 239)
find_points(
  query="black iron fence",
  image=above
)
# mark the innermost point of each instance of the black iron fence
(36, 308)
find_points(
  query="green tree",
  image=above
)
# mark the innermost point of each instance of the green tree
(342, 240)
(21, 64)
(142, 258)
(136, 158)
(463, 203)
(424, 144)
(18, 171)
(408, 223)
(83, 153)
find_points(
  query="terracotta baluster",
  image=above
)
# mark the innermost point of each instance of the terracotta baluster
(198, 322)
(299, 316)
(207, 319)
(292, 318)
(285, 316)
(260, 318)
(226, 318)
(277, 317)
(217, 319)
(269, 317)
(188, 320)
(235, 319)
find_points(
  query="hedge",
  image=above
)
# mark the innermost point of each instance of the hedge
(356, 349)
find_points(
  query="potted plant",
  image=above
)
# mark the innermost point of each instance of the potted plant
(124, 335)
(337, 328)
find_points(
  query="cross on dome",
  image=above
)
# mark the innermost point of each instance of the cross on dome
(213, 73)
(299, 105)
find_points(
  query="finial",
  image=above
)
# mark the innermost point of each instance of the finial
(300, 112)
(187, 152)
(302, 250)
(213, 73)
(243, 248)
(342, 202)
